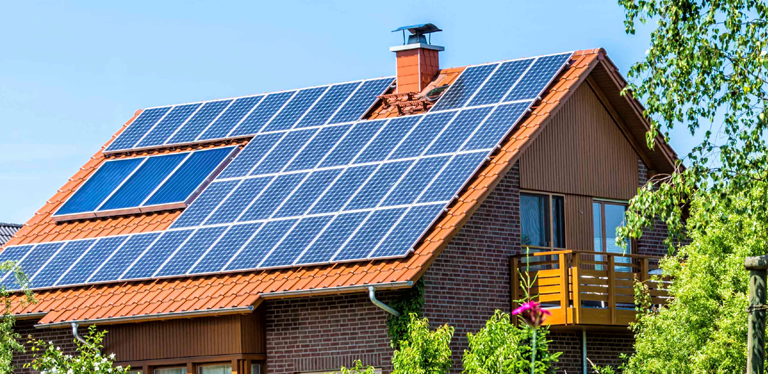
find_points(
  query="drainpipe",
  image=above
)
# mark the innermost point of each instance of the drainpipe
(77, 335)
(375, 301)
(584, 350)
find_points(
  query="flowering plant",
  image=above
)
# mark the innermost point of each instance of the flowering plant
(49, 359)
(532, 313)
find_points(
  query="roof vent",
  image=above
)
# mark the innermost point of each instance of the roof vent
(417, 58)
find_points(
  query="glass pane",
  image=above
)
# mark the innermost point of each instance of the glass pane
(182, 370)
(597, 226)
(558, 222)
(255, 368)
(215, 369)
(614, 218)
(534, 217)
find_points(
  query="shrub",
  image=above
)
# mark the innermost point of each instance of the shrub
(423, 351)
(49, 359)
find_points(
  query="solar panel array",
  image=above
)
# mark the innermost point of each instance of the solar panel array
(144, 184)
(247, 116)
(313, 190)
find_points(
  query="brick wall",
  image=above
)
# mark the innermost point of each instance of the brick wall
(569, 343)
(62, 338)
(652, 241)
(605, 348)
(327, 332)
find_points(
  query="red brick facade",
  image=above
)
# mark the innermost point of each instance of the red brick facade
(62, 338)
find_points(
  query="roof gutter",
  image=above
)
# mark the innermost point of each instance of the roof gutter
(378, 303)
(334, 290)
(195, 313)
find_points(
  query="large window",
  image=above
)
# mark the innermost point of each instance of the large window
(541, 221)
(215, 369)
(607, 217)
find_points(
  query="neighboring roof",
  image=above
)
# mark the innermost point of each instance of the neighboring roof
(236, 293)
(7, 230)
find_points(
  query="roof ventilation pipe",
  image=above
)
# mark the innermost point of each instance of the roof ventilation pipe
(378, 303)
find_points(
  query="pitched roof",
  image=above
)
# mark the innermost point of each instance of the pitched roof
(7, 230)
(237, 293)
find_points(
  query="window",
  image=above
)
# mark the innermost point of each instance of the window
(541, 221)
(255, 368)
(176, 370)
(215, 369)
(606, 218)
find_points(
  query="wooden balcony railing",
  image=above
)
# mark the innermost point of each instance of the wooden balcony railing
(587, 288)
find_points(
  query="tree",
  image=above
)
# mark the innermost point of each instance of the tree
(50, 359)
(503, 348)
(423, 351)
(706, 69)
(9, 338)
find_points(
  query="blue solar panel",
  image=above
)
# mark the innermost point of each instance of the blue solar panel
(225, 248)
(168, 125)
(408, 231)
(109, 176)
(238, 201)
(199, 122)
(15, 254)
(188, 177)
(458, 131)
(59, 264)
(307, 193)
(266, 204)
(253, 253)
(378, 186)
(182, 260)
(296, 241)
(121, 260)
(285, 150)
(458, 171)
(538, 77)
(465, 86)
(332, 238)
(501, 81)
(138, 128)
(143, 182)
(370, 233)
(199, 210)
(33, 262)
(292, 111)
(424, 133)
(498, 124)
(346, 150)
(156, 255)
(408, 189)
(84, 267)
(311, 155)
(343, 189)
(262, 114)
(251, 155)
(392, 134)
(361, 100)
(230, 118)
(328, 105)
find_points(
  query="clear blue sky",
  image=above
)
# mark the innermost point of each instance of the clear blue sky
(72, 74)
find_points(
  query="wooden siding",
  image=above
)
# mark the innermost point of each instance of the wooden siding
(578, 223)
(210, 336)
(581, 152)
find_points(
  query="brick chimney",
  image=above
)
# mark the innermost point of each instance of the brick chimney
(417, 59)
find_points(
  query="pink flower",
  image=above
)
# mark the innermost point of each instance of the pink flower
(532, 313)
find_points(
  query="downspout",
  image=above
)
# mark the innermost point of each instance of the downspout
(584, 350)
(77, 335)
(375, 301)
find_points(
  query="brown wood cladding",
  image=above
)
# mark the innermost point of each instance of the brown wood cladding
(581, 152)
(578, 223)
(210, 336)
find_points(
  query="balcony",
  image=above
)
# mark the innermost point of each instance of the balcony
(583, 289)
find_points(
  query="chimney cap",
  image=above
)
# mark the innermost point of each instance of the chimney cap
(420, 29)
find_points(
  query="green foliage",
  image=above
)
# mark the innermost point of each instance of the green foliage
(503, 348)
(706, 69)
(423, 351)
(358, 369)
(50, 359)
(411, 301)
(9, 339)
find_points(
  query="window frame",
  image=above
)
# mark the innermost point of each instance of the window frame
(551, 227)
(603, 240)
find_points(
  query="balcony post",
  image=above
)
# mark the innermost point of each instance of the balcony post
(612, 288)
(644, 272)
(564, 286)
(575, 286)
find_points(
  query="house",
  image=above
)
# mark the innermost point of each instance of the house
(270, 233)
(7, 230)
